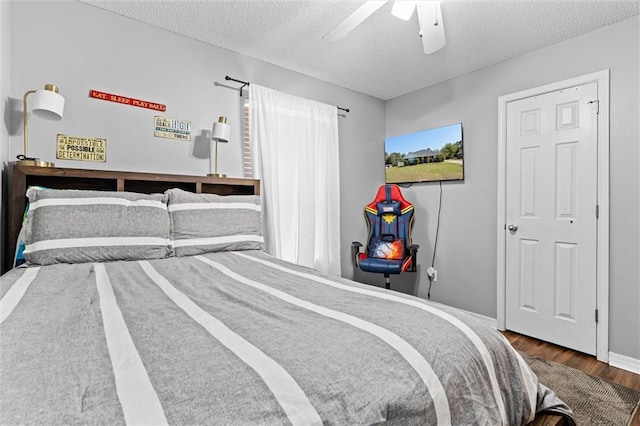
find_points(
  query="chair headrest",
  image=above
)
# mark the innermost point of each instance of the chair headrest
(389, 199)
(386, 208)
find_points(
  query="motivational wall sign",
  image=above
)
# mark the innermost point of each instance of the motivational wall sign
(126, 101)
(81, 149)
(172, 129)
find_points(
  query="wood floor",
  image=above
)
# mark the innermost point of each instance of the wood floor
(585, 363)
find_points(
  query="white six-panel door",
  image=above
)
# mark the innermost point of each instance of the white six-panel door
(551, 216)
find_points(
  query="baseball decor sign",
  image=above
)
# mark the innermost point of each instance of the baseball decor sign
(127, 101)
(172, 129)
(81, 149)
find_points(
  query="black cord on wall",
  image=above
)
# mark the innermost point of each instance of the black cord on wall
(435, 243)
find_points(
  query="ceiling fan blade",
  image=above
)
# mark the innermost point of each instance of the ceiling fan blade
(403, 9)
(353, 20)
(431, 26)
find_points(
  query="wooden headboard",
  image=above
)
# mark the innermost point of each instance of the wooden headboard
(21, 177)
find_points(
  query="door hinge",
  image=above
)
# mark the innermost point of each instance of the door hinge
(597, 102)
(596, 315)
(597, 211)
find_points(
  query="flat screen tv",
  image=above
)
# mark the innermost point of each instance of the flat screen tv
(431, 155)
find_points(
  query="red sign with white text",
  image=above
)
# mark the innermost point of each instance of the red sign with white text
(127, 101)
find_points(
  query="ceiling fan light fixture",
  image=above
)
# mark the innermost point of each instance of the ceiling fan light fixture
(403, 9)
(429, 20)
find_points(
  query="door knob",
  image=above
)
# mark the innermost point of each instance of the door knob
(512, 228)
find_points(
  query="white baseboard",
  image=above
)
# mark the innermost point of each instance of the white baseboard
(615, 360)
(491, 322)
(624, 362)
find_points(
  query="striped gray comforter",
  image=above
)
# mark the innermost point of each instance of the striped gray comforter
(241, 338)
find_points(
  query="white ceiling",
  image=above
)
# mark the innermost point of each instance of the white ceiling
(383, 56)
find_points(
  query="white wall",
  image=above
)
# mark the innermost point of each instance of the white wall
(99, 50)
(5, 55)
(466, 254)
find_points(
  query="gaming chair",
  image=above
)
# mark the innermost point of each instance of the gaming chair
(389, 249)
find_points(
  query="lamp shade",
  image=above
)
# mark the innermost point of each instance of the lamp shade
(48, 103)
(221, 130)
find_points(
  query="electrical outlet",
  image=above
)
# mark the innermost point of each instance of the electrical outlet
(432, 273)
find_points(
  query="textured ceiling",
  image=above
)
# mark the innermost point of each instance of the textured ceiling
(383, 56)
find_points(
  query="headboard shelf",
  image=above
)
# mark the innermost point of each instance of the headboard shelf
(105, 180)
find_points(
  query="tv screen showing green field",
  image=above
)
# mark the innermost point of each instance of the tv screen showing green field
(427, 156)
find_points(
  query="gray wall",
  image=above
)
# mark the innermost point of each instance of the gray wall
(99, 50)
(466, 253)
(102, 51)
(5, 37)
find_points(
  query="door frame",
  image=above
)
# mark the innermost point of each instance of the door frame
(602, 237)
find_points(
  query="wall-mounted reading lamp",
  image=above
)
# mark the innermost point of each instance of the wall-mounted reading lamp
(219, 133)
(47, 104)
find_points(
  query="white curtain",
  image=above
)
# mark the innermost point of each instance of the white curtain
(295, 147)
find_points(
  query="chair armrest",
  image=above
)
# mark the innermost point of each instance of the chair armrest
(413, 250)
(355, 251)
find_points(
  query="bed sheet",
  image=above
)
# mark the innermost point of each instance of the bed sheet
(244, 338)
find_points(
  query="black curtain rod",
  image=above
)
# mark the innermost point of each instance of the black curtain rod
(246, 83)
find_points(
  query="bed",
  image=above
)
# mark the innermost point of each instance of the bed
(159, 306)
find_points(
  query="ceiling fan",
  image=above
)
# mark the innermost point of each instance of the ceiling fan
(429, 19)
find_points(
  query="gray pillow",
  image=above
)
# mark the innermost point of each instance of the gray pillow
(203, 223)
(77, 226)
